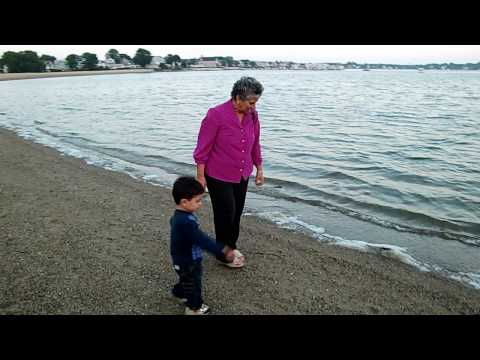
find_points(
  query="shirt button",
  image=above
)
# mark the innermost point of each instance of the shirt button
(243, 140)
(243, 161)
(243, 150)
(241, 169)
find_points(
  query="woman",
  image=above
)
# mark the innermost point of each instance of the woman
(228, 147)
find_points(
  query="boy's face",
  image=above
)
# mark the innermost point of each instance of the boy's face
(193, 204)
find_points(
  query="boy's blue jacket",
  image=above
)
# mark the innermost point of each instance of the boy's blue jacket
(187, 240)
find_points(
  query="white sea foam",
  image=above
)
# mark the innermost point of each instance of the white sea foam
(150, 177)
(290, 222)
(470, 278)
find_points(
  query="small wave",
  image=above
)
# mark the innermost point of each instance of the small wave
(442, 117)
(394, 115)
(472, 279)
(48, 132)
(337, 175)
(365, 212)
(386, 250)
(76, 140)
(419, 158)
(70, 109)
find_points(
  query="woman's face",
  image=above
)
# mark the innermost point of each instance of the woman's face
(247, 105)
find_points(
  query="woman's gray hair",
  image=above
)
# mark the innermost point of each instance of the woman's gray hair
(245, 87)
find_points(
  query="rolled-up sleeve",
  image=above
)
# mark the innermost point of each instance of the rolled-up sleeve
(206, 138)
(256, 149)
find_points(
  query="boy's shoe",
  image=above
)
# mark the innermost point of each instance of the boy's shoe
(204, 310)
(182, 299)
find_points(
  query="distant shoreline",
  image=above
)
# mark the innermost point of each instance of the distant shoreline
(23, 76)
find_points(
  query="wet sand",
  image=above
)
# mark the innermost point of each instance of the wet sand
(78, 239)
(22, 76)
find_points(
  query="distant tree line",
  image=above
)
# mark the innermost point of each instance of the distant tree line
(24, 61)
(29, 61)
(443, 66)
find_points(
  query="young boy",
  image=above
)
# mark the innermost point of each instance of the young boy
(187, 242)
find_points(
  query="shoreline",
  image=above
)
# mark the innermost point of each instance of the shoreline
(80, 239)
(24, 76)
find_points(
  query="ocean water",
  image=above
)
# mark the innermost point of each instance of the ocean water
(379, 161)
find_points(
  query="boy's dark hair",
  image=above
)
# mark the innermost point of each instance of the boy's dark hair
(186, 187)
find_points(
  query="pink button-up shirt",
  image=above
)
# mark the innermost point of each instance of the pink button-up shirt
(228, 148)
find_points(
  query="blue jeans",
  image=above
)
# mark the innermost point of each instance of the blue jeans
(189, 285)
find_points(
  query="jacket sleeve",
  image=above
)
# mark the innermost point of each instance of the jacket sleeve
(206, 138)
(256, 150)
(203, 240)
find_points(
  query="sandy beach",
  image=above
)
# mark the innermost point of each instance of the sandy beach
(78, 239)
(22, 76)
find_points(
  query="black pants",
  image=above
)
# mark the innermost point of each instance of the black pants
(228, 200)
(189, 285)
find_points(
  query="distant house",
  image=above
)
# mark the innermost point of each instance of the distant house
(262, 64)
(335, 67)
(57, 65)
(206, 64)
(5, 69)
(316, 66)
(110, 64)
(126, 62)
(297, 66)
(156, 62)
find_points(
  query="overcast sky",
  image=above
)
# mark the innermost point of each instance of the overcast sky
(393, 54)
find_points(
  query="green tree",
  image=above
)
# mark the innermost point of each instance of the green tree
(90, 61)
(170, 59)
(48, 58)
(113, 54)
(8, 57)
(73, 61)
(23, 61)
(125, 56)
(142, 57)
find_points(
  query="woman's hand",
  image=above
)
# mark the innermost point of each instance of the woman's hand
(259, 179)
(201, 175)
(201, 180)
